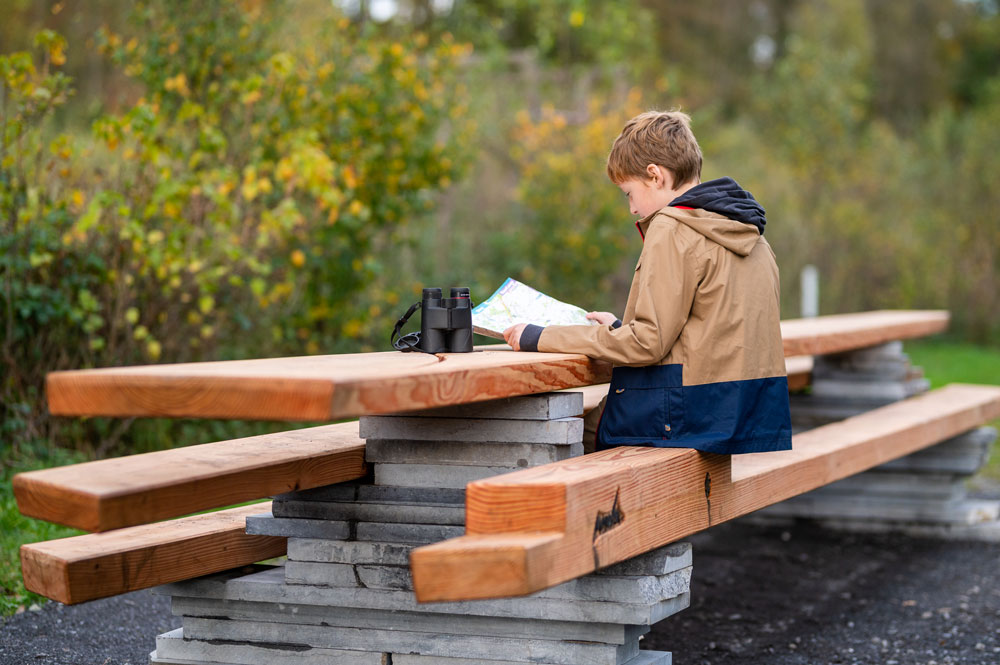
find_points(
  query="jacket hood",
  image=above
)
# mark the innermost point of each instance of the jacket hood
(725, 197)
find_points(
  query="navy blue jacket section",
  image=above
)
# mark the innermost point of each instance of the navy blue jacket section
(650, 406)
(725, 197)
(529, 337)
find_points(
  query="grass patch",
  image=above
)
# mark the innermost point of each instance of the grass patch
(16, 529)
(947, 362)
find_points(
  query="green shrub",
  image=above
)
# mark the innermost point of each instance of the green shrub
(232, 209)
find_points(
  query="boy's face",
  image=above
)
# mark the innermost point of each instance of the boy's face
(647, 195)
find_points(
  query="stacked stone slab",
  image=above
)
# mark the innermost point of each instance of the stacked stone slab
(927, 488)
(345, 593)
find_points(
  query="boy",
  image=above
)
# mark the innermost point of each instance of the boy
(697, 356)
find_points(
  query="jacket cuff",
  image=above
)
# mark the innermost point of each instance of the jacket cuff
(617, 324)
(529, 337)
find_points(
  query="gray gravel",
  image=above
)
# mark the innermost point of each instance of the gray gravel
(797, 596)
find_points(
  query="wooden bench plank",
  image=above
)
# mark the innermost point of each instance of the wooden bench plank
(113, 493)
(538, 527)
(844, 332)
(343, 386)
(98, 565)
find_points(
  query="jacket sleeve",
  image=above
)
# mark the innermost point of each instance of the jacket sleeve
(667, 277)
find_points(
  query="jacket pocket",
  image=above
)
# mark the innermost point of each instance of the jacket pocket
(643, 406)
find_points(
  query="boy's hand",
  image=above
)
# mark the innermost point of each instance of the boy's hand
(603, 318)
(513, 335)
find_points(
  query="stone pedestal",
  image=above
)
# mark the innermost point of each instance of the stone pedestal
(345, 593)
(923, 493)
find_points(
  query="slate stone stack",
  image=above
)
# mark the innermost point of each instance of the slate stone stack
(922, 493)
(345, 593)
(846, 384)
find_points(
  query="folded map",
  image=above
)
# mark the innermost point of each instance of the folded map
(515, 303)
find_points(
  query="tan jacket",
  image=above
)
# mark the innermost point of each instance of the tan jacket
(704, 307)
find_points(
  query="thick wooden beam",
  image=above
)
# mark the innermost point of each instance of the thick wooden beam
(535, 528)
(113, 493)
(844, 332)
(319, 388)
(98, 565)
(316, 388)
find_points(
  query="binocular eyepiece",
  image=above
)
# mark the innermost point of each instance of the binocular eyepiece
(446, 323)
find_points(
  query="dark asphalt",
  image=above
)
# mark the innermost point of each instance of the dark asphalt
(797, 596)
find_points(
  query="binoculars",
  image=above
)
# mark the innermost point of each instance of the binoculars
(446, 323)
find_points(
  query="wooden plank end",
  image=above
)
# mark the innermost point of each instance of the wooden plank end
(480, 567)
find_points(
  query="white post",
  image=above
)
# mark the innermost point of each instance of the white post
(810, 291)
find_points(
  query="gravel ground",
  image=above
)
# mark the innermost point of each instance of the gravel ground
(796, 596)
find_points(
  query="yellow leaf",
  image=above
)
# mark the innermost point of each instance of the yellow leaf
(298, 258)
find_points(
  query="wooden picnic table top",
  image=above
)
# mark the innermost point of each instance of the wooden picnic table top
(331, 387)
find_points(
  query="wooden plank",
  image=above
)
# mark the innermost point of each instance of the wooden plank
(113, 493)
(844, 332)
(98, 565)
(318, 388)
(538, 527)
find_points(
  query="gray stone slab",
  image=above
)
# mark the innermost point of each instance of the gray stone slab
(543, 406)
(613, 589)
(268, 585)
(432, 475)
(868, 391)
(889, 370)
(875, 484)
(468, 453)
(426, 513)
(661, 561)
(604, 588)
(383, 532)
(395, 620)
(958, 512)
(562, 431)
(325, 574)
(349, 551)
(384, 577)
(172, 647)
(641, 658)
(888, 351)
(265, 525)
(652, 658)
(963, 454)
(378, 494)
(426, 643)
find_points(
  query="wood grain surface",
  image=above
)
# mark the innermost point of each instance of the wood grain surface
(844, 332)
(578, 515)
(321, 388)
(113, 493)
(98, 565)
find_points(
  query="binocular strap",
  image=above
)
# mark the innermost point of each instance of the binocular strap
(409, 341)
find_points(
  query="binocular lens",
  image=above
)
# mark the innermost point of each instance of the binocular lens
(459, 292)
(431, 293)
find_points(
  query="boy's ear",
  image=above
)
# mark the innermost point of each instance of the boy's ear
(659, 175)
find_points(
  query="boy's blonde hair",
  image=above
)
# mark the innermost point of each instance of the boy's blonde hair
(655, 137)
